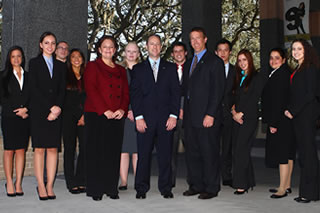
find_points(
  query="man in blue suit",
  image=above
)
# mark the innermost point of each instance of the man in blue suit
(155, 101)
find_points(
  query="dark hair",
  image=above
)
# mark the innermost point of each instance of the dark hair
(310, 55)
(101, 40)
(72, 81)
(279, 50)
(62, 42)
(251, 70)
(199, 29)
(43, 35)
(8, 70)
(153, 35)
(178, 44)
(223, 41)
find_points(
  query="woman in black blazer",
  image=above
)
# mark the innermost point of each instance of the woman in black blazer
(280, 143)
(303, 109)
(14, 96)
(247, 89)
(47, 88)
(73, 123)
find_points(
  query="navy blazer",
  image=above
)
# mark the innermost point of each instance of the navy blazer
(46, 91)
(204, 89)
(17, 98)
(155, 101)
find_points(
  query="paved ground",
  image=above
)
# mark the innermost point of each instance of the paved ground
(255, 201)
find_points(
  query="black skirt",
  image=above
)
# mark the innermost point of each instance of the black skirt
(130, 138)
(16, 132)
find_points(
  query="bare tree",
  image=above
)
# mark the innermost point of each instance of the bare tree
(134, 20)
(240, 25)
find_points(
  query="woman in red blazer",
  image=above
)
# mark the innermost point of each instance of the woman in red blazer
(106, 86)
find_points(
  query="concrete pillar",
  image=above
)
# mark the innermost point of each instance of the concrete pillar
(271, 28)
(203, 13)
(314, 23)
(25, 20)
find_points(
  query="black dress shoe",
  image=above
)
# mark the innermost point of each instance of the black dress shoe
(302, 200)
(114, 197)
(82, 189)
(206, 195)
(237, 192)
(167, 195)
(41, 198)
(190, 192)
(122, 188)
(96, 198)
(140, 195)
(9, 194)
(227, 183)
(288, 190)
(275, 196)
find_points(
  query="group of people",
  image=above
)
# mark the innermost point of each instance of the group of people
(120, 110)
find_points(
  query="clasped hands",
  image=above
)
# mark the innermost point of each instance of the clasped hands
(142, 126)
(21, 112)
(114, 115)
(237, 117)
(55, 111)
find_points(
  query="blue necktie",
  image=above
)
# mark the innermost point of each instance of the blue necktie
(243, 77)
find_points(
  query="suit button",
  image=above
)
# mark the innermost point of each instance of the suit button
(21, 106)
(118, 96)
(110, 75)
(110, 96)
(119, 86)
(118, 77)
(110, 85)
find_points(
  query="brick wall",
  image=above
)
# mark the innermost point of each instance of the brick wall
(29, 162)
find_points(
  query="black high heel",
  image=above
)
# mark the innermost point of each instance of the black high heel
(41, 198)
(18, 193)
(237, 192)
(9, 194)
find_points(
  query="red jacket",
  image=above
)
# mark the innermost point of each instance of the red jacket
(106, 87)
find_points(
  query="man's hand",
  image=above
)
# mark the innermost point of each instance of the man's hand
(288, 114)
(181, 114)
(81, 121)
(273, 130)
(208, 121)
(171, 123)
(130, 115)
(141, 125)
(21, 112)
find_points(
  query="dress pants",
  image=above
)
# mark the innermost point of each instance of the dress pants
(305, 132)
(163, 146)
(177, 136)
(226, 148)
(242, 137)
(70, 133)
(103, 138)
(203, 157)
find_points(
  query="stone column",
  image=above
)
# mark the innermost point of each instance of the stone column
(271, 28)
(202, 13)
(25, 20)
(314, 23)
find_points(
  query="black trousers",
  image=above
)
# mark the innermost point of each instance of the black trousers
(226, 148)
(305, 132)
(146, 143)
(203, 157)
(177, 136)
(242, 138)
(103, 139)
(70, 133)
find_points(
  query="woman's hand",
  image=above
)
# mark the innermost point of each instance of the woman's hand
(238, 117)
(273, 130)
(118, 114)
(21, 112)
(55, 110)
(130, 115)
(51, 117)
(108, 114)
(288, 114)
(81, 121)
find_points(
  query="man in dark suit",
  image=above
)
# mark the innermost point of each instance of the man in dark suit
(155, 102)
(179, 54)
(223, 50)
(203, 89)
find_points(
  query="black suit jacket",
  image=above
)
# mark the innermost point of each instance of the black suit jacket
(227, 99)
(155, 100)
(16, 98)
(275, 96)
(204, 89)
(45, 91)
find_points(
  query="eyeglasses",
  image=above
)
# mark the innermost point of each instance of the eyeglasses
(63, 48)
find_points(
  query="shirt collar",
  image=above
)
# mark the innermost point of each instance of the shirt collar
(152, 61)
(200, 54)
(15, 72)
